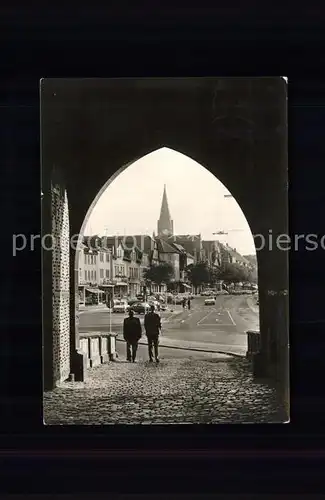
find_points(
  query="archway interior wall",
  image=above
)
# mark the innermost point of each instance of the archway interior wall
(96, 140)
(60, 283)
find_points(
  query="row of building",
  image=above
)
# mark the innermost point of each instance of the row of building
(121, 261)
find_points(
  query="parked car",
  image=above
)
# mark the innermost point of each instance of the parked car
(154, 303)
(132, 301)
(120, 306)
(211, 301)
(140, 307)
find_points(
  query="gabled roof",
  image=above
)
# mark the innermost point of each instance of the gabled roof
(179, 247)
(233, 253)
(164, 247)
(140, 240)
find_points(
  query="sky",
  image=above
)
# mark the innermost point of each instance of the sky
(131, 203)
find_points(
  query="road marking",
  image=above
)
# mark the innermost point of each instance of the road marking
(204, 317)
(219, 324)
(231, 318)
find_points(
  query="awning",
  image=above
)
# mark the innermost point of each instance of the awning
(94, 290)
(121, 283)
(186, 286)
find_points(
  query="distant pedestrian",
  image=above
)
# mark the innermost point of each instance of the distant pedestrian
(189, 303)
(132, 334)
(184, 303)
(152, 325)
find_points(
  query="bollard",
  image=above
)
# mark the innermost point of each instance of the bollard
(112, 346)
(253, 343)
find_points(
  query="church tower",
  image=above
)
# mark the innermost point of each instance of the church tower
(165, 223)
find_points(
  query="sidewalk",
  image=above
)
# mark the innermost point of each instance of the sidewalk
(236, 350)
(211, 390)
(251, 302)
(93, 308)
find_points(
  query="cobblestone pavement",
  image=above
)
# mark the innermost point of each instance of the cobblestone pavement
(213, 389)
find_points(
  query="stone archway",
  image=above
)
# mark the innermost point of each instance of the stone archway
(236, 128)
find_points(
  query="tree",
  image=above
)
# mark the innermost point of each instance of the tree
(159, 273)
(198, 274)
(214, 273)
(233, 273)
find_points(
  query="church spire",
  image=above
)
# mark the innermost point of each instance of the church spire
(165, 223)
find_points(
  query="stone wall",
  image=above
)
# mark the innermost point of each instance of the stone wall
(60, 284)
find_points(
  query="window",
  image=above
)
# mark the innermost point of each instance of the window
(101, 257)
(92, 275)
(85, 275)
(88, 275)
(85, 258)
(101, 273)
(95, 258)
(107, 257)
(95, 277)
(107, 273)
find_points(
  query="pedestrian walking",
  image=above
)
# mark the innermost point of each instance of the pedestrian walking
(152, 325)
(189, 303)
(132, 334)
(184, 302)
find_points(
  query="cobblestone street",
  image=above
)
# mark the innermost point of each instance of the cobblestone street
(210, 389)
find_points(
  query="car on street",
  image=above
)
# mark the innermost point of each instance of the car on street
(132, 301)
(178, 300)
(210, 301)
(154, 303)
(140, 307)
(120, 306)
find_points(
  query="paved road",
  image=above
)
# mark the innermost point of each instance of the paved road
(214, 389)
(221, 326)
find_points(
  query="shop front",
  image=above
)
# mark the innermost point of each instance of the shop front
(121, 289)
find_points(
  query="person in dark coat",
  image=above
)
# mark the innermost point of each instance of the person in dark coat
(189, 303)
(132, 332)
(152, 325)
(184, 302)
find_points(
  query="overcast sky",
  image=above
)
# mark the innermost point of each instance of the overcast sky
(131, 202)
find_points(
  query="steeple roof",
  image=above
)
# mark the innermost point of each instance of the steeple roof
(164, 211)
(165, 223)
